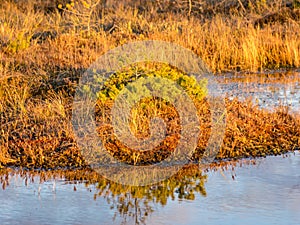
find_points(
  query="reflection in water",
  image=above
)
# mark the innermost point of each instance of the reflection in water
(265, 193)
(130, 203)
(137, 202)
(257, 195)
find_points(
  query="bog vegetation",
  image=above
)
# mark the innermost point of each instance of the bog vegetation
(45, 46)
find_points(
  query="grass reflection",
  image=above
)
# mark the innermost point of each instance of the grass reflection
(129, 202)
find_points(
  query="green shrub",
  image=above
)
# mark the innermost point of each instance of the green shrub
(113, 86)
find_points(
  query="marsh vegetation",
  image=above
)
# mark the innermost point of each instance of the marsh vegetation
(45, 46)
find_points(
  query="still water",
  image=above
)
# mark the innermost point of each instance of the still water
(266, 91)
(265, 193)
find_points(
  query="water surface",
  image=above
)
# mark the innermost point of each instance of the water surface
(265, 193)
(266, 91)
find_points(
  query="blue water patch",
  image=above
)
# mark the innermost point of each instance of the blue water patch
(265, 193)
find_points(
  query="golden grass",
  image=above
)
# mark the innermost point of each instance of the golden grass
(224, 41)
(43, 52)
(48, 141)
(250, 132)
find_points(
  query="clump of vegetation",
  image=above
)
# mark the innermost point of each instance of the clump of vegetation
(146, 109)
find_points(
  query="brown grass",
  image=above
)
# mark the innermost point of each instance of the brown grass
(49, 142)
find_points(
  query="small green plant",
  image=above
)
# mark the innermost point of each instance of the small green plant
(21, 42)
(112, 87)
